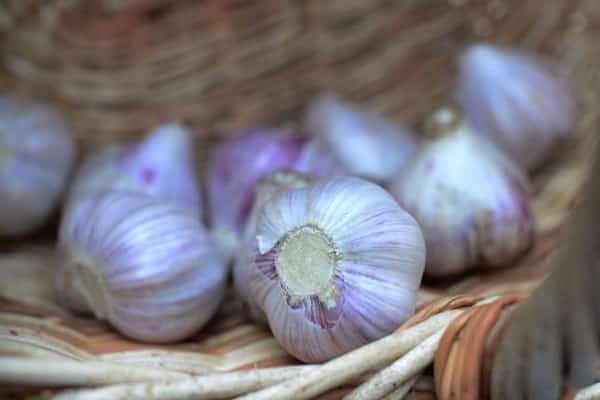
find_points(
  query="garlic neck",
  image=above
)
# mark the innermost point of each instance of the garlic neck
(306, 262)
(84, 277)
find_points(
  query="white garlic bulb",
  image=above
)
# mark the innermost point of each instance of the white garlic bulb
(337, 264)
(161, 165)
(270, 185)
(145, 265)
(36, 155)
(471, 201)
(365, 143)
(516, 100)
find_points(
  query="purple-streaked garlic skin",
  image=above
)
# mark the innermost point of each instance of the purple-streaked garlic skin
(337, 264)
(238, 163)
(517, 100)
(471, 201)
(269, 186)
(161, 165)
(365, 143)
(145, 265)
(36, 156)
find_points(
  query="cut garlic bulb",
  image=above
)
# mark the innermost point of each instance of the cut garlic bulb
(36, 155)
(336, 265)
(471, 201)
(145, 265)
(516, 100)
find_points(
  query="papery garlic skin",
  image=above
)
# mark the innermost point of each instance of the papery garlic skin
(36, 156)
(145, 265)
(365, 143)
(161, 165)
(269, 186)
(238, 163)
(471, 201)
(516, 100)
(337, 265)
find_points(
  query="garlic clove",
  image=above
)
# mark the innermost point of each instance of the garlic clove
(164, 165)
(238, 163)
(341, 266)
(365, 143)
(471, 201)
(145, 265)
(161, 165)
(515, 99)
(36, 156)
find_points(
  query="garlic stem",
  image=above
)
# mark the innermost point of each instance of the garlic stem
(399, 372)
(213, 386)
(92, 286)
(355, 363)
(52, 372)
(307, 245)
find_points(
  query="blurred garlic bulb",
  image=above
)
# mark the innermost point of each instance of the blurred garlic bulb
(161, 165)
(471, 201)
(337, 264)
(145, 265)
(365, 143)
(36, 155)
(241, 161)
(516, 100)
(270, 185)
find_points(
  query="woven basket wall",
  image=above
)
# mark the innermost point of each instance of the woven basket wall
(117, 67)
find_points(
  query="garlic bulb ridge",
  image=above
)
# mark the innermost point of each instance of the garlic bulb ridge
(270, 185)
(161, 165)
(516, 100)
(146, 266)
(36, 155)
(471, 201)
(336, 265)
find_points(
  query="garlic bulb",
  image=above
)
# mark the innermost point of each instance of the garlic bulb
(161, 165)
(270, 185)
(337, 264)
(516, 100)
(241, 161)
(365, 143)
(145, 265)
(36, 155)
(471, 201)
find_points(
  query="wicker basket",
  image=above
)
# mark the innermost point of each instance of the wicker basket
(119, 66)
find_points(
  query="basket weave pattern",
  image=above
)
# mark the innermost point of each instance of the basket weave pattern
(120, 66)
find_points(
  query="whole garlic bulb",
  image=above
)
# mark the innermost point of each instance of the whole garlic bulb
(337, 264)
(161, 165)
(471, 201)
(36, 155)
(516, 100)
(238, 163)
(145, 265)
(365, 143)
(270, 185)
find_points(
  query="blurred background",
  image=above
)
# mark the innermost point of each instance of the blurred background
(119, 67)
